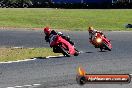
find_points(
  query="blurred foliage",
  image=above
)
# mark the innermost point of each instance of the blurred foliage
(14, 1)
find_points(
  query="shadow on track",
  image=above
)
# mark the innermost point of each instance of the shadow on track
(88, 52)
(61, 56)
(102, 51)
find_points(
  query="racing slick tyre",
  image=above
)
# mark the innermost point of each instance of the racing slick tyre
(64, 52)
(107, 47)
(101, 49)
(76, 52)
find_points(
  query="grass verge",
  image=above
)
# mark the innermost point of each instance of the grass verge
(13, 54)
(68, 19)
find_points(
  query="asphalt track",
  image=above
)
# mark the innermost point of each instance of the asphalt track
(61, 72)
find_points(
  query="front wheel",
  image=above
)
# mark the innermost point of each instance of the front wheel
(101, 49)
(107, 47)
(76, 52)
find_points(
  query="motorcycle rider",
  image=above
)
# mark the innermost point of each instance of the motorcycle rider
(48, 32)
(92, 33)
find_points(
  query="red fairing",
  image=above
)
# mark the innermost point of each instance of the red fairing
(64, 43)
(107, 42)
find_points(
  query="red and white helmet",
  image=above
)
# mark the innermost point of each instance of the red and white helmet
(47, 30)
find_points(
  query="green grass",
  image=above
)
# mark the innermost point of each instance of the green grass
(68, 19)
(12, 54)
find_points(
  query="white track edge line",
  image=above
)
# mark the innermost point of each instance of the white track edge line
(27, 60)
(18, 61)
(54, 56)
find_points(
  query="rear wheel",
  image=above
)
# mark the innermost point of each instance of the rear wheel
(64, 52)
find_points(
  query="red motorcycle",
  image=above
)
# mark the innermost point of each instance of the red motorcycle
(102, 42)
(60, 45)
